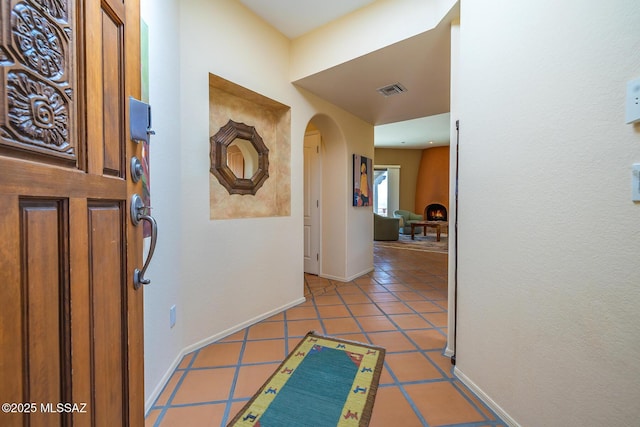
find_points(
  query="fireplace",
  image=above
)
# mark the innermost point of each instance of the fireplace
(435, 212)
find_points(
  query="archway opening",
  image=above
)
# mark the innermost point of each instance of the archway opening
(325, 201)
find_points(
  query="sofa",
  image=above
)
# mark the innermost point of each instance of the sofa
(385, 228)
(406, 218)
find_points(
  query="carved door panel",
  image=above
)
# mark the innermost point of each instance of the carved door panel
(70, 321)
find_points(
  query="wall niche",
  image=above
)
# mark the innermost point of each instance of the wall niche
(270, 120)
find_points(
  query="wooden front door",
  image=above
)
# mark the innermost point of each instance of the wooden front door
(71, 350)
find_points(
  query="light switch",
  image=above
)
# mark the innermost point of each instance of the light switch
(633, 101)
(635, 182)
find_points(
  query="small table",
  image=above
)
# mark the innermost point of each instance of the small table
(433, 224)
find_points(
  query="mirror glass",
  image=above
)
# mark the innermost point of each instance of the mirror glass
(242, 158)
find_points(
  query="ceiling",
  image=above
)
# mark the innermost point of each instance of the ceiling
(294, 18)
(414, 119)
(424, 132)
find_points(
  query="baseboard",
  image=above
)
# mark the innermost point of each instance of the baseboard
(331, 277)
(163, 382)
(485, 398)
(362, 273)
(449, 351)
(346, 279)
(451, 330)
(202, 343)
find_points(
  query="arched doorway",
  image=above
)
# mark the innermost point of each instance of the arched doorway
(325, 198)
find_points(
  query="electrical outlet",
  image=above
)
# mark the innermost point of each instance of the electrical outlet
(633, 101)
(172, 316)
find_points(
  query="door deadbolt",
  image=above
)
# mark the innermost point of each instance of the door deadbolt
(136, 169)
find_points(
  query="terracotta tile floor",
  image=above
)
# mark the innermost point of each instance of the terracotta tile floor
(402, 306)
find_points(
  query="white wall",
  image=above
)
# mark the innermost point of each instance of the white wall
(549, 290)
(162, 343)
(229, 264)
(225, 274)
(346, 231)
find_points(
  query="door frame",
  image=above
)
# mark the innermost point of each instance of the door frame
(73, 186)
(314, 186)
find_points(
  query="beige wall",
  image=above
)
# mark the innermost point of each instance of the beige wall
(548, 237)
(409, 161)
(358, 33)
(226, 274)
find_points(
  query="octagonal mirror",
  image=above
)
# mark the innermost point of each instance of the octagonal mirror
(239, 158)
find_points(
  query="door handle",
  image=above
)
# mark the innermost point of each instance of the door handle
(138, 214)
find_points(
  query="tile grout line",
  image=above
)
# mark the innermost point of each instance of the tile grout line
(427, 286)
(318, 316)
(286, 333)
(402, 331)
(391, 373)
(456, 384)
(452, 380)
(401, 385)
(415, 344)
(176, 388)
(227, 407)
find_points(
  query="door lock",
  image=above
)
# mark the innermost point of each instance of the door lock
(136, 169)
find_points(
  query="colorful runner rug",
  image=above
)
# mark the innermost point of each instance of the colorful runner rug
(324, 382)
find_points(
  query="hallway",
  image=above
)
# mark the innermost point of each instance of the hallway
(402, 306)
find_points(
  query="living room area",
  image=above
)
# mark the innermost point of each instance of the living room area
(411, 194)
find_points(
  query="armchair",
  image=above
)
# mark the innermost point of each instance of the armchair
(406, 218)
(385, 228)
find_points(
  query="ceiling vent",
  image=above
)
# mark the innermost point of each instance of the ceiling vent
(393, 89)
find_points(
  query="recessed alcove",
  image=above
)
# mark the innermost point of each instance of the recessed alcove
(270, 122)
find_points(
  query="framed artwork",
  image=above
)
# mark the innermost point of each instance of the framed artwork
(362, 181)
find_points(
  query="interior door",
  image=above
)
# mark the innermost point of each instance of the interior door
(235, 161)
(312, 202)
(71, 321)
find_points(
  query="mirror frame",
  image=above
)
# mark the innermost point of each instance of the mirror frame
(219, 143)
